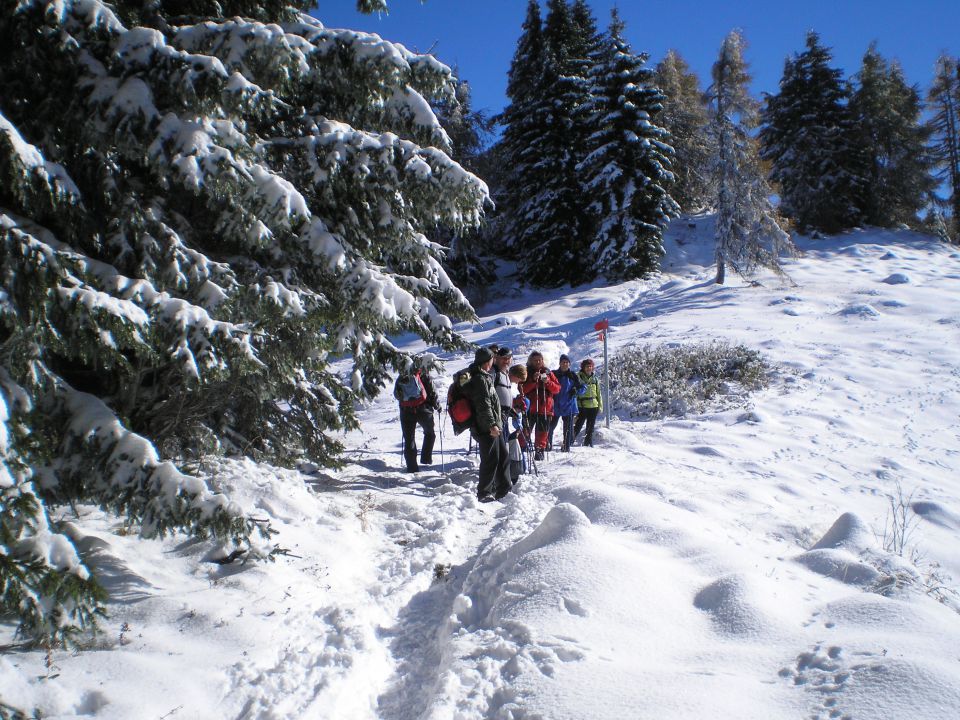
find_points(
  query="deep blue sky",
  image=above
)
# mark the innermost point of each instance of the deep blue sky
(480, 36)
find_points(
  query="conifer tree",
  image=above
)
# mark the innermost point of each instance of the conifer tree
(685, 116)
(555, 210)
(585, 46)
(749, 231)
(469, 131)
(549, 219)
(201, 204)
(585, 40)
(521, 126)
(887, 112)
(809, 138)
(944, 100)
(627, 173)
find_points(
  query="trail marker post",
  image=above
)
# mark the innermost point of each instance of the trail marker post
(602, 328)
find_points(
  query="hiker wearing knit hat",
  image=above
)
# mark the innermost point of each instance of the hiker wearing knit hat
(488, 429)
(482, 356)
(418, 402)
(565, 402)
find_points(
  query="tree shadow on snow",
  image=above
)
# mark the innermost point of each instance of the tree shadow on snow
(382, 476)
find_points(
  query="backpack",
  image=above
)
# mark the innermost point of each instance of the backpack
(458, 402)
(410, 390)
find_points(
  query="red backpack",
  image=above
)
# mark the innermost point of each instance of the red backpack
(458, 402)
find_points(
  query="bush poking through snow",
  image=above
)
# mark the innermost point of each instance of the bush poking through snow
(897, 538)
(365, 504)
(441, 572)
(674, 380)
(899, 525)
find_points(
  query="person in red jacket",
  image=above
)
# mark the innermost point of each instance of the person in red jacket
(540, 387)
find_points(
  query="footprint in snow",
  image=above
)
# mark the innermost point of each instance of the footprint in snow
(707, 451)
(574, 608)
(825, 672)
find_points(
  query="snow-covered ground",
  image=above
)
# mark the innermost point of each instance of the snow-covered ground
(725, 565)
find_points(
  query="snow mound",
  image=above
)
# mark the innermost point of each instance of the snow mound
(728, 603)
(896, 279)
(838, 554)
(849, 532)
(840, 565)
(564, 522)
(861, 310)
(937, 514)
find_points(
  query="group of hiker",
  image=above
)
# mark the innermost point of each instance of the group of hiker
(512, 411)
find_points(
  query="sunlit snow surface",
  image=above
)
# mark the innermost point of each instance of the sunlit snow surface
(726, 565)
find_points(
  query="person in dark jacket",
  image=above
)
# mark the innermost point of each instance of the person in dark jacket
(487, 429)
(565, 403)
(540, 387)
(418, 401)
(590, 403)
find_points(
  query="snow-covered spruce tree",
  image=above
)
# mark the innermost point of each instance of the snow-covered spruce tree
(944, 99)
(520, 122)
(749, 231)
(812, 144)
(685, 116)
(551, 220)
(469, 131)
(627, 173)
(887, 112)
(584, 47)
(200, 204)
(43, 583)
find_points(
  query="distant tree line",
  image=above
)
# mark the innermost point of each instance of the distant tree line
(598, 152)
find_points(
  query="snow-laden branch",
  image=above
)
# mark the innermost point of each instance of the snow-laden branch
(26, 161)
(132, 301)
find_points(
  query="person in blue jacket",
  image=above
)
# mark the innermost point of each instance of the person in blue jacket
(565, 402)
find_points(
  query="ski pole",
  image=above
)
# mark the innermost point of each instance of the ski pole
(443, 463)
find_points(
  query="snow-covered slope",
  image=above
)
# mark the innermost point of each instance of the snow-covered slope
(726, 565)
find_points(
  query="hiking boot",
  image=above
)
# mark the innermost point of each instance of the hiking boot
(538, 455)
(426, 461)
(485, 498)
(412, 469)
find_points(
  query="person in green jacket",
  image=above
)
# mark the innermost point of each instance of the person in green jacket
(590, 403)
(487, 429)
